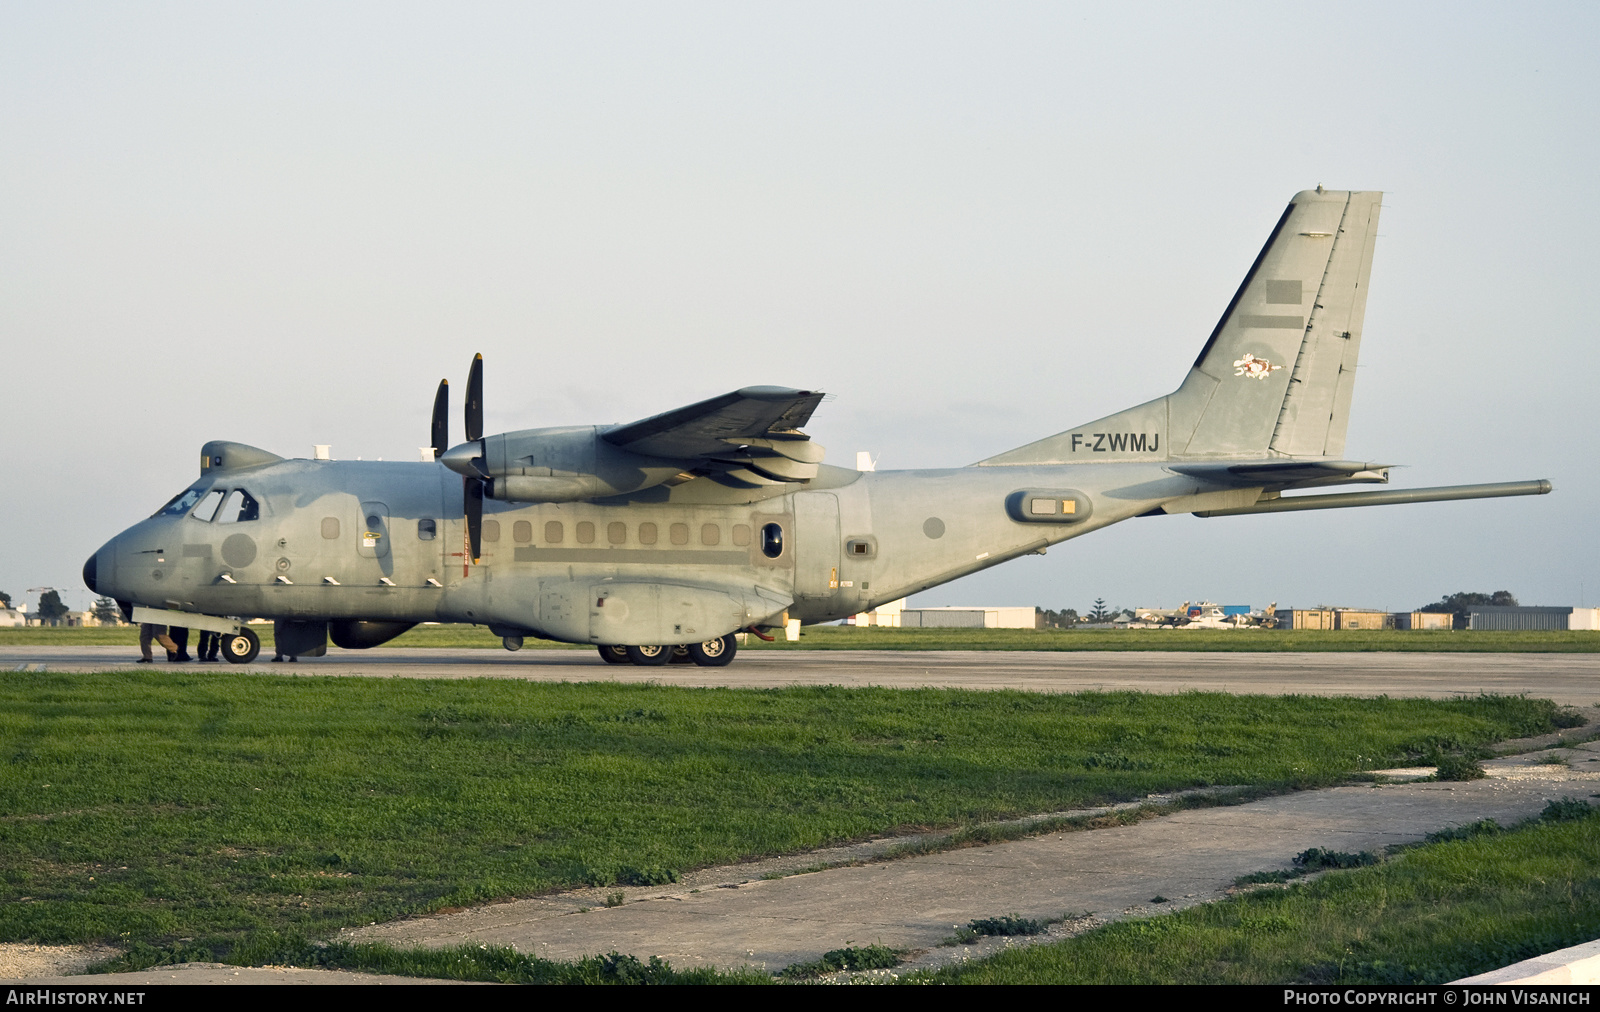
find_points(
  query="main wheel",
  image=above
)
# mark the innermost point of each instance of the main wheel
(680, 655)
(241, 647)
(650, 656)
(714, 653)
(614, 654)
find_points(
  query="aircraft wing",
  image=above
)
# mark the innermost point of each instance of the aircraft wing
(754, 429)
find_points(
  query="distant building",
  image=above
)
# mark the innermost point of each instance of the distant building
(1306, 618)
(1423, 620)
(1354, 618)
(1531, 618)
(13, 617)
(970, 618)
(895, 615)
(1333, 618)
(884, 615)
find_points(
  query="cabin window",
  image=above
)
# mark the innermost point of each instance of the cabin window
(207, 509)
(553, 534)
(617, 532)
(772, 540)
(427, 530)
(710, 534)
(647, 533)
(181, 503)
(679, 534)
(239, 507)
(585, 532)
(741, 535)
(522, 532)
(330, 528)
(491, 530)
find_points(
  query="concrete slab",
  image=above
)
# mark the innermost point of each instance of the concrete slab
(1570, 679)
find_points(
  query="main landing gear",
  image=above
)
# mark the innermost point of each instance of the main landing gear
(241, 647)
(710, 654)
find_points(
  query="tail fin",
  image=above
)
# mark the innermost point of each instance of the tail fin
(1276, 375)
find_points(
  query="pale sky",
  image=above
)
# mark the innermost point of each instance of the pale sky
(973, 224)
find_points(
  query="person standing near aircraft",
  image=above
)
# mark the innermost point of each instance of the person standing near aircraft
(179, 651)
(210, 642)
(158, 633)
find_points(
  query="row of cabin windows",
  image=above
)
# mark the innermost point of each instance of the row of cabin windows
(616, 533)
(585, 531)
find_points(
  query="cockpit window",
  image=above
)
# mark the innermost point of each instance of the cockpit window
(208, 506)
(181, 503)
(239, 507)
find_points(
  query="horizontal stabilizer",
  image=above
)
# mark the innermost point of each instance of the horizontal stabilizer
(1386, 497)
(1288, 473)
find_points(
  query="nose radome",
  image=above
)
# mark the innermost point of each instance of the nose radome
(90, 570)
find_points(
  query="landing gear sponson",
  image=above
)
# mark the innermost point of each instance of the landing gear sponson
(710, 654)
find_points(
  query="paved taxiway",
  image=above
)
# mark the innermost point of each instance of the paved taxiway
(1570, 679)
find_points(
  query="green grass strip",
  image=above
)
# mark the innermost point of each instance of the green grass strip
(851, 638)
(484, 963)
(149, 807)
(1470, 902)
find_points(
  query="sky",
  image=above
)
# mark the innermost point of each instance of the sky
(972, 224)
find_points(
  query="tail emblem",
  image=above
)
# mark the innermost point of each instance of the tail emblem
(1254, 368)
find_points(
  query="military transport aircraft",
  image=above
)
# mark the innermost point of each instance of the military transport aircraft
(673, 533)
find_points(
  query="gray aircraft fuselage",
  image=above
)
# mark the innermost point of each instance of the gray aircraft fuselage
(849, 541)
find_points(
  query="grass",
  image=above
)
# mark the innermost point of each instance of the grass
(207, 808)
(1009, 925)
(1203, 640)
(489, 964)
(1467, 902)
(865, 957)
(850, 638)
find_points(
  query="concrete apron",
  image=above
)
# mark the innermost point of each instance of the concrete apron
(730, 917)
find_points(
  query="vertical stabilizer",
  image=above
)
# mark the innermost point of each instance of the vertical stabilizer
(1276, 375)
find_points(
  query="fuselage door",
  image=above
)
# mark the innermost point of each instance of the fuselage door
(816, 544)
(373, 531)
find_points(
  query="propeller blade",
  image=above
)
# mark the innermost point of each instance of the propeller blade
(475, 400)
(474, 497)
(441, 419)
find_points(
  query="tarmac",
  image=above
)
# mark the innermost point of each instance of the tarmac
(1569, 679)
(774, 913)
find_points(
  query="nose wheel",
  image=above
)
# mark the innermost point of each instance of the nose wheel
(241, 647)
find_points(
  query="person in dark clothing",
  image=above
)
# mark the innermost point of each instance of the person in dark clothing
(158, 633)
(180, 639)
(210, 643)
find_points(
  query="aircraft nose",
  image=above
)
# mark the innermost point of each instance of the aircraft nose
(89, 572)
